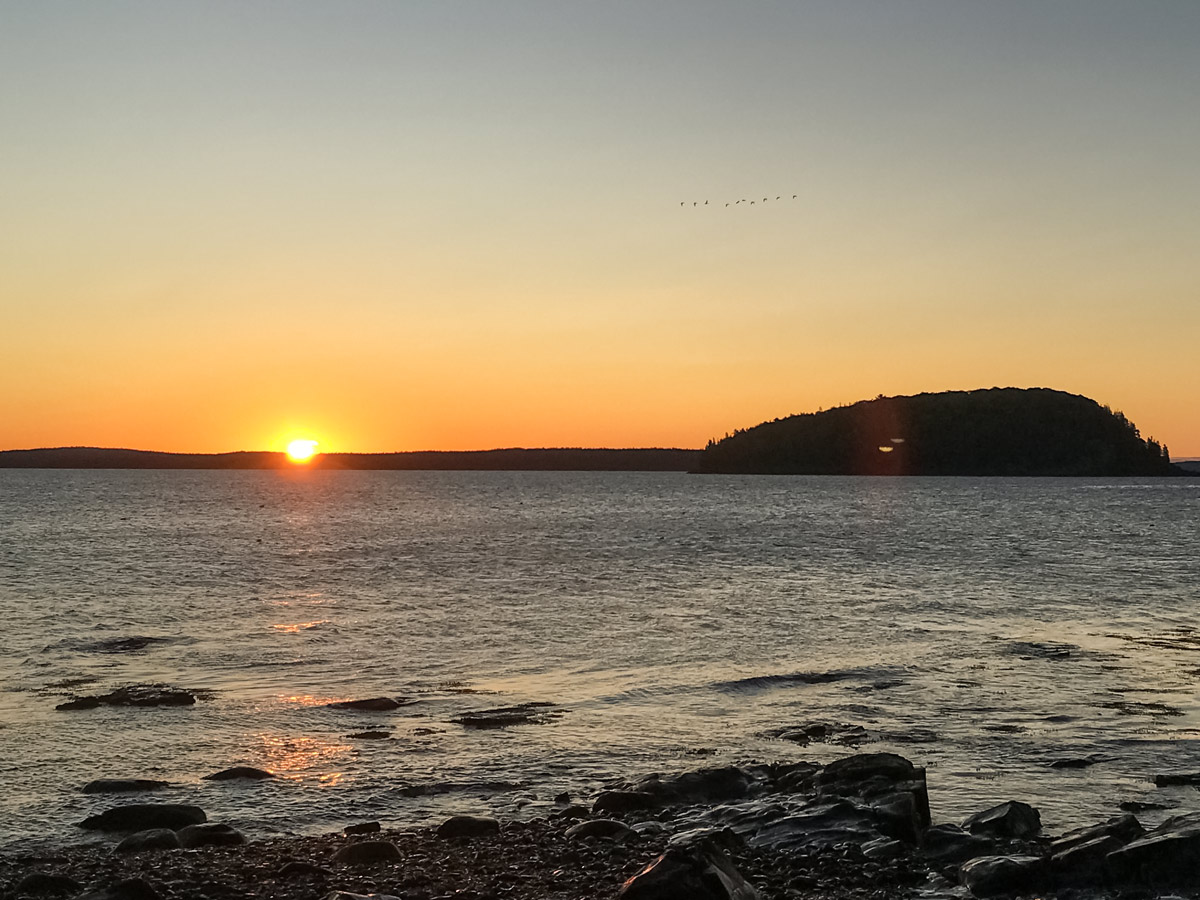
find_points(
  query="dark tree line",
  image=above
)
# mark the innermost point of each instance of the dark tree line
(1000, 431)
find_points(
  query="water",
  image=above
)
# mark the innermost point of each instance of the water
(981, 627)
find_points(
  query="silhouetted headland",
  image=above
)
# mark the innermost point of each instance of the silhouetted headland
(583, 460)
(999, 431)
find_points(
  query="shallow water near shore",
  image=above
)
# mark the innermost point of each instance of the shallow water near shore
(984, 628)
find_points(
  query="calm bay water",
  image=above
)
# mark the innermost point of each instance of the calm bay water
(982, 627)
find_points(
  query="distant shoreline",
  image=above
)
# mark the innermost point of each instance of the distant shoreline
(512, 459)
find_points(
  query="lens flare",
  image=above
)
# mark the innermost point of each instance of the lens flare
(301, 450)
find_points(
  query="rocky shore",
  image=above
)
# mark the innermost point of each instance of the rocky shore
(858, 828)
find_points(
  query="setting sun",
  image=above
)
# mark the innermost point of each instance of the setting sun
(301, 450)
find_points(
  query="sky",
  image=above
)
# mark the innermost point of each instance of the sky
(458, 225)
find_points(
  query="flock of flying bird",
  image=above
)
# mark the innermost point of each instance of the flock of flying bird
(736, 202)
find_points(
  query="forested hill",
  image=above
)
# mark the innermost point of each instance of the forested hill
(1001, 431)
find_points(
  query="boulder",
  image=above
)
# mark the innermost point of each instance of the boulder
(468, 827)
(950, 844)
(1085, 862)
(212, 834)
(1168, 855)
(575, 811)
(1013, 819)
(144, 816)
(367, 853)
(1122, 828)
(299, 868)
(46, 884)
(600, 828)
(883, 848)
(709, 785)
(990, 875)
(122, 785)
(240, 772)
(129, 889)
(817, 826)
(701, 873)
(372, 704)
(151, 839)
(624, 802)
(362, 828)
(877, 777)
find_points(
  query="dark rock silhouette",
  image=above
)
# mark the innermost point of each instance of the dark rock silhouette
(1000, 431)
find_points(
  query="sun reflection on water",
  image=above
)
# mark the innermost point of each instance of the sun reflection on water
(298, 755)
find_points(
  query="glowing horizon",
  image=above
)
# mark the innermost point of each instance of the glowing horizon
(456, 225)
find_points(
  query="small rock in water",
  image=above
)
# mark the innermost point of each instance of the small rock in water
(508, 716)
(564, 797)
(1013, 819)
(144, 816)
(372, 704)
(151, 839)
(370, 735)
(240, 772)
(1173, 779)
(367, 853)
(1078, 762)
(468, 827)
(44, 883)
(1136, 806)
(599, 828)
(134, 695)
(212, 834)
(122, 785)
(362, 828)
(824, 732)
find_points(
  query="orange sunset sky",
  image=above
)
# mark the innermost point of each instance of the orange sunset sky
(458, 225)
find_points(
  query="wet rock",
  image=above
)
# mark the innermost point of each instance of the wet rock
(1123, 828)
(362, 828)
(347, 895)
(367, 853)
(45, 884)
(129, 889)
(575, 811)
(508, 716)
(134, 695)
(122, 785)
(722, 838)
(370, 735)
(240, 772)
(950, 844)
(818, 826)
(708, 785)
(883, 848)
(299, 868)
(144, 816)
(990, 875)
(564, 797)
(1168, 855)
(600, 828)
(689, 874)
(468, 827)
(1172, 779)
(372, 704)
(1136, 806)
(151, 839)
(1013, 819)
(823, 732)
(212, 834)
(1084, 862)
(624, 802)
(877, 778)
(80, 703)
(1078, 762)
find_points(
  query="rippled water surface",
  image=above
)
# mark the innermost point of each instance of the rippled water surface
(984, 628)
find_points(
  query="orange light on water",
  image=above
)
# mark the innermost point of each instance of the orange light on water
(301, 450)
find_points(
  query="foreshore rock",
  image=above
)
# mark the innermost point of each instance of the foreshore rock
(145, 816)
(240, 772)
(134, 695)
(372, 704)
(508, 716)
(701, 873)
(122, 785)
